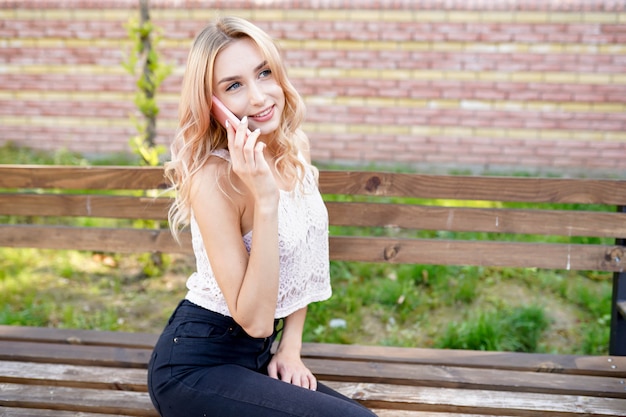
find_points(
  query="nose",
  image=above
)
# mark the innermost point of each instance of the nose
(256, 95)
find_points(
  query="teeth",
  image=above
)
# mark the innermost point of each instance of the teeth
(263, 114)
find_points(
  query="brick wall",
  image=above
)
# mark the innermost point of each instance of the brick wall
(520, 85)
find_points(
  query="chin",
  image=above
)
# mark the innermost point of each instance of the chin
(269, 128)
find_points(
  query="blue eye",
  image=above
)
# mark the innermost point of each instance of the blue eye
(265, 73)
(233, 86)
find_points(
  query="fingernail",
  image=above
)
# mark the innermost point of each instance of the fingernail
(245, 119)
(227, 124)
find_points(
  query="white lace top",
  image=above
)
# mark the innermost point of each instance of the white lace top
(303, 251)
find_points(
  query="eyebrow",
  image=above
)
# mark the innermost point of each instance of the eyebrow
(236, 77)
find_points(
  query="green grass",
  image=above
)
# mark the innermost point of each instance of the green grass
(512, 329)
(398, 305)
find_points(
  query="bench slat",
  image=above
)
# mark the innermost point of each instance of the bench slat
(96, 377)
(79, 178)
(561, 190)
(479, 253)
(63, 205)
(408, 413)
(614, 366)
(538, 190)
(533, 362)
(371, 394)
(77, 399)
(480, 401)
(556, 222)
(77, 336)
(339, 369)
(74, 354)
(468, 378)
(463, 219)
(32, 412)
(122, 240)
(363, 249)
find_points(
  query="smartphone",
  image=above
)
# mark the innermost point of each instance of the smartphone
(221, 113)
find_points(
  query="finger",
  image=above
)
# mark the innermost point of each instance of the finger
(312, 382)
(304, 381)
(250, 142)
(286, 376)
(230, 133)
(259, 157)
(234, 144)
(271, 370)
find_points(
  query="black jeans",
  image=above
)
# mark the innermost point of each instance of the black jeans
(204, 364)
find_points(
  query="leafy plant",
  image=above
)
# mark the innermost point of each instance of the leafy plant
(144, 62)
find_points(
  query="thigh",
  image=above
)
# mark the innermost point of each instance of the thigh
(232, 390)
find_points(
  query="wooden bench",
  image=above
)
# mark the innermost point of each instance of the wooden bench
(66, 372)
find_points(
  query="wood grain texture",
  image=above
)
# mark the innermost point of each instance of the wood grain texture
(585, 191)
(469, 378)
(66, 205)
(478, 253)
(541, 190)
(79, 371)
(467, 219)
(115, 402)
(116, 240)
(461, 401)
(80, 178)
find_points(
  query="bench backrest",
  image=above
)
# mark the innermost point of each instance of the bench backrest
(400, 204)
(576, 224)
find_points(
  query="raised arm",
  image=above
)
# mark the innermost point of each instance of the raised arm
(249, 282)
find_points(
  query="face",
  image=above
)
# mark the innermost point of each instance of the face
(243, 81)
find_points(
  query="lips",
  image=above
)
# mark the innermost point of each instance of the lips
(265, 115)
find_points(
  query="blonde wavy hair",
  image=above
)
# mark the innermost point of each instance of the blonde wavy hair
(199, 134)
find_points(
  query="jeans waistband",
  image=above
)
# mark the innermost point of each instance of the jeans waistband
(188, 309)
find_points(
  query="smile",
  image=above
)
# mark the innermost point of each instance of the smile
(264, 113)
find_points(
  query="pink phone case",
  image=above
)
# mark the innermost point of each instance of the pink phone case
(221, 113)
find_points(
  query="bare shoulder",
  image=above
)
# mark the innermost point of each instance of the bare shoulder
(214, 184)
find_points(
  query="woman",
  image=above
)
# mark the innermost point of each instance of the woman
(260, 235)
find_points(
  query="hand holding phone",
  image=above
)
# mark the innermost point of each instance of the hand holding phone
(221, 113)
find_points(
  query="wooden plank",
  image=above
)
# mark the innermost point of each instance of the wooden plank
(117, 240)
(74, 177)
(77, 399)
(77, 336)
(468, 378)
(29, 412)
(33, 412)
(464, 401)
(479, 253)
(533, 362)
(96, 377)
(553, 222)
(613, 366)
(564, 190)
(326, 369)
(74, 354)
(411, 413)
(539, 190)
(463, 219)
(63, 205)
(363, 249)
